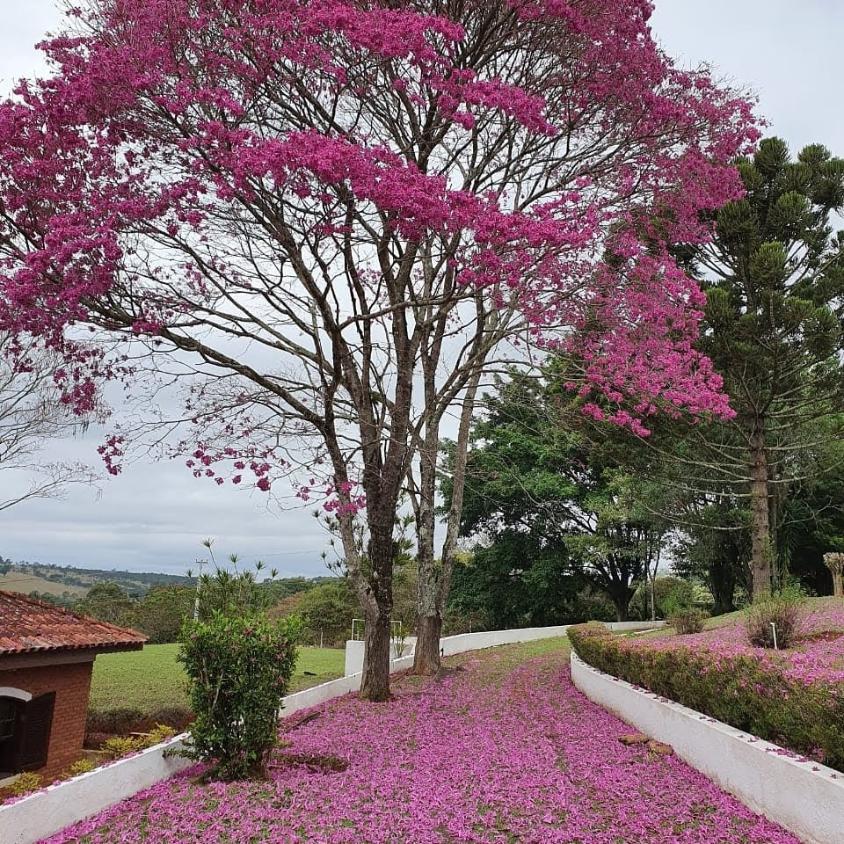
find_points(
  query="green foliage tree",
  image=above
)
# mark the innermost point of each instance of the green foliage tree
(515, 582)
(231, 590)
(670, 594)
(715, 548)
(812, 522)
(326, 612)
(774, 280)
(161, 613)
(545, 487)
(107, 601)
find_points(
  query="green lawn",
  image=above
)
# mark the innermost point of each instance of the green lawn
(151, 679)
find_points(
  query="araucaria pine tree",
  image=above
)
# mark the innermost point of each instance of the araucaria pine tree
(305, 209)
(774, 280)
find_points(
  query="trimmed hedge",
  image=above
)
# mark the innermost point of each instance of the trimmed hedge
(738, 690)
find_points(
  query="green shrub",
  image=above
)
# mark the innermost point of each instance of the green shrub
(735, 689)
(24, 784)
(688, 621)
(118, 746)
(672, 594)
(80, 766)
(160, 733)
(784, 611)
(238, 671)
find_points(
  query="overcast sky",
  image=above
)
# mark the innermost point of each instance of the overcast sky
(154, 516)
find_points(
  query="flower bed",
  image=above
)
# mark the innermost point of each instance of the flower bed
(817, 656)
(794, 699)
(501, 748)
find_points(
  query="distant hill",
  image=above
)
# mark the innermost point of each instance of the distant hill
(67, 581)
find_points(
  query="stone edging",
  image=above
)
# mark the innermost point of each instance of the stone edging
(803, 796)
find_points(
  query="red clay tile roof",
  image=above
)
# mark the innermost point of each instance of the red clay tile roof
(30, 626)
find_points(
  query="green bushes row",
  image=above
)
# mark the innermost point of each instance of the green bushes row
(735, 689)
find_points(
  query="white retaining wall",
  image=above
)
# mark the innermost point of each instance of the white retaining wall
(46, 812)
(804, 797)
(354, 654)
(463, 642)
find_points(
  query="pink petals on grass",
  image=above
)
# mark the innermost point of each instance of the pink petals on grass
(503, 749)
(818, 655)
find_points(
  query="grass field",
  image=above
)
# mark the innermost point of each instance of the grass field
(18, 581)
(152, 679)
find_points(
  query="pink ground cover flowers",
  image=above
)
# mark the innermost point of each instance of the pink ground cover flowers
(818, 655)
(501, 748)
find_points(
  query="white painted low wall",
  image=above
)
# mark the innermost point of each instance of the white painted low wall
(463, 642)
(632, 626)
(44, 813)
(804, 797)
(354, 654)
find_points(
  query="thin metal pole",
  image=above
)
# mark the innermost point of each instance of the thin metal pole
(199, 563)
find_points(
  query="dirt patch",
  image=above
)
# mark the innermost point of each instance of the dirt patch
(820, 636)
(312, 761)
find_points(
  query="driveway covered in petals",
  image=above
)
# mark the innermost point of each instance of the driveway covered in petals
(500, 748)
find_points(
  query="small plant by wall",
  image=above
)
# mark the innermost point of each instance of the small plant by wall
(688, 621)
(775, 621)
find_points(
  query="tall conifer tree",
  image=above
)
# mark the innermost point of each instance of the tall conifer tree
(774, 278)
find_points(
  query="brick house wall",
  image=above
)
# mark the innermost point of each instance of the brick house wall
(72, 683)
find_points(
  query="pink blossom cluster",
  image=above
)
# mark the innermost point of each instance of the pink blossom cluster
(206, 460)
(818, 655)
(504, 750)
(167, 119)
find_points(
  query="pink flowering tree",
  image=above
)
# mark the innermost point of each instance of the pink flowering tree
(323, 217)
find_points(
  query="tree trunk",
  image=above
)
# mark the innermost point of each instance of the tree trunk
(620, 597)
(838, 585)
(427, 657)
(652, 574)
(375, 682)
(652, 597)
(435, 581)
(760, 526)
(722, 584)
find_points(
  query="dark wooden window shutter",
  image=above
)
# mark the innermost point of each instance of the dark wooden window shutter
(33, 732)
